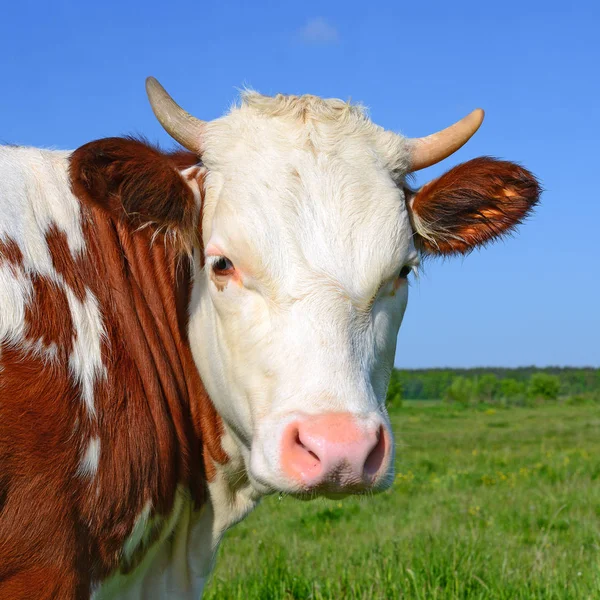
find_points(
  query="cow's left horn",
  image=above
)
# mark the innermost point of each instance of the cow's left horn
(178, 123)
(427, 151)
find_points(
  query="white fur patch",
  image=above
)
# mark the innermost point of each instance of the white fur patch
(140, 529)
(39, 349)
(91, 459)
(85, 361)
(35, 194)
(15, 293)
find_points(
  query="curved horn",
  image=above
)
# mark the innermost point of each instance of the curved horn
(427, 151)
(178, 123)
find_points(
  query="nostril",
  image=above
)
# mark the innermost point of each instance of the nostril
(298, 461)
(376, 456)
(304, 447)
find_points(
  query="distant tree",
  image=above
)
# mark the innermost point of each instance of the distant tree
(544, 386)
(487, 387)
(461, 390)
(394, 393)
(432, 384)
(511, 389)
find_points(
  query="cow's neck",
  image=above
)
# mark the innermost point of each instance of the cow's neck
(150, 289)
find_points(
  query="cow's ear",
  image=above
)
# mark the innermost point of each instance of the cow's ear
(473, 203)
(138, 183)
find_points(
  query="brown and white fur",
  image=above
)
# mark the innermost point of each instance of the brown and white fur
(144, 391)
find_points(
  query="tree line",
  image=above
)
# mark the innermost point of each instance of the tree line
(494, 385)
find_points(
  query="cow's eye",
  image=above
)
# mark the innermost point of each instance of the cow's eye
(404, 272)
(222, 266)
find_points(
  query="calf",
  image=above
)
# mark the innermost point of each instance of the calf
(183, 333)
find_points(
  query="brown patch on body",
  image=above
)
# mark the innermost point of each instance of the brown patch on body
(10, 252)
(472, 204)
(72, 271)
(48, 315)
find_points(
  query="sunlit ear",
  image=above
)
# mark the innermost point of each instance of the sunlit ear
(138, 183)
(470, 205)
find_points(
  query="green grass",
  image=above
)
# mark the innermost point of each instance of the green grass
(501, 504)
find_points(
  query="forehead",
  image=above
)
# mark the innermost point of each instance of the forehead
(304, 184)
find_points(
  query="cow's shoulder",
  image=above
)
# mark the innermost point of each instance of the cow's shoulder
(36, 196)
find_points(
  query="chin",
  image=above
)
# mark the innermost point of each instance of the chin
(331, 492)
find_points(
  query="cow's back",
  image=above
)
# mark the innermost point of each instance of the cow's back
(35, 196)
(48, 337)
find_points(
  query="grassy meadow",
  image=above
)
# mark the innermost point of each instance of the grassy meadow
(499, 503)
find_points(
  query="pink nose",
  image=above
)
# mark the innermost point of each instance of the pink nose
(334, 451)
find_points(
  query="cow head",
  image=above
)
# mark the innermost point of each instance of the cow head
(308, 236)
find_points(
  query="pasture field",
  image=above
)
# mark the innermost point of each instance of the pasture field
(487, 504)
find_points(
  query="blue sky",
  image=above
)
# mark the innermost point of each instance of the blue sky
(74, 71)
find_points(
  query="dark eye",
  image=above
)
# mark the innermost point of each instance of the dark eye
(222, 266)
(404, 272)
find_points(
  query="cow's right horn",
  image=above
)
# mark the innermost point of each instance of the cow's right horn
(178, 123)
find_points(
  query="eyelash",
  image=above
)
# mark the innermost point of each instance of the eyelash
(221, 265)
(405, 271)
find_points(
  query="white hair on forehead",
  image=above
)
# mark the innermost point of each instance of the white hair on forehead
(323, 123)
(306, 107)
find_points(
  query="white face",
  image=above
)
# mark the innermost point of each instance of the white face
(295, 315)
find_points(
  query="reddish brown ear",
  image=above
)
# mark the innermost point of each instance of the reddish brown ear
(471, 204)
(137, 182)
